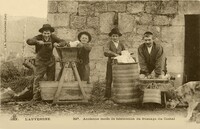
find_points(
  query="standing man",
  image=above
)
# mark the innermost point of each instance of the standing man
(45, 60)
(150, 57)
(112, 49)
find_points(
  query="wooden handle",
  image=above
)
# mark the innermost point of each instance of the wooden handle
(47, 43)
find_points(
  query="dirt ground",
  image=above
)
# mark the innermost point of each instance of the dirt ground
(104, 109)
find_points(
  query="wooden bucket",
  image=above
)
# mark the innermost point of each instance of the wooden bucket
(70, 90)
(152, 96)
(125, 88)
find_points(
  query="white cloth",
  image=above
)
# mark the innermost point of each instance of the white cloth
(116, 44)
(125, 57)
(149, 49)
(74, 44)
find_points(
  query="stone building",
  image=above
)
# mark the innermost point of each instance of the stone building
(166, 19)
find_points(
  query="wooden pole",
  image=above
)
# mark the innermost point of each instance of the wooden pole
(5, 37)
(79, 80)
(60, 83)
(24, 40)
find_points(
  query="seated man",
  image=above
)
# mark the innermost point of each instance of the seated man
(150, 55)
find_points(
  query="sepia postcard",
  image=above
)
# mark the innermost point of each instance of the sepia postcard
(100, 64)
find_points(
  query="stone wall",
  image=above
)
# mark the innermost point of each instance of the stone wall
(164, 18)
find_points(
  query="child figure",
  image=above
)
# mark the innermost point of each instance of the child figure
(112, 49)
(83, 56)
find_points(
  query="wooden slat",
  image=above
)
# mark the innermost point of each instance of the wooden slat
(79, 80)
(60, 84)
(72, 102)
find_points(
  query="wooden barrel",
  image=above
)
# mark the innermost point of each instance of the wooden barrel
(70, 90)
(152, 96)
(125, 88)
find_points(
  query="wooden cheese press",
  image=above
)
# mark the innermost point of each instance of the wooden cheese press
(68, 59)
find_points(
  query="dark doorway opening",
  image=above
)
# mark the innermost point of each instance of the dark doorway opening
(192, 48)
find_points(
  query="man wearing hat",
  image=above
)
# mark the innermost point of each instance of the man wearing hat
(112, 49)
(150, 55)
(45, 60)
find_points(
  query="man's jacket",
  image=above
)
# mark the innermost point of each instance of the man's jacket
(45, 52)
(153, 61)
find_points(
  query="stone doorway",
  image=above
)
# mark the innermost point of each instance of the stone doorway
(192, 48)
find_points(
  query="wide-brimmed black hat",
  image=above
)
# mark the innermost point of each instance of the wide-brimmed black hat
(115, 31)
(148, 33)
(86, 33)
(46, 27)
